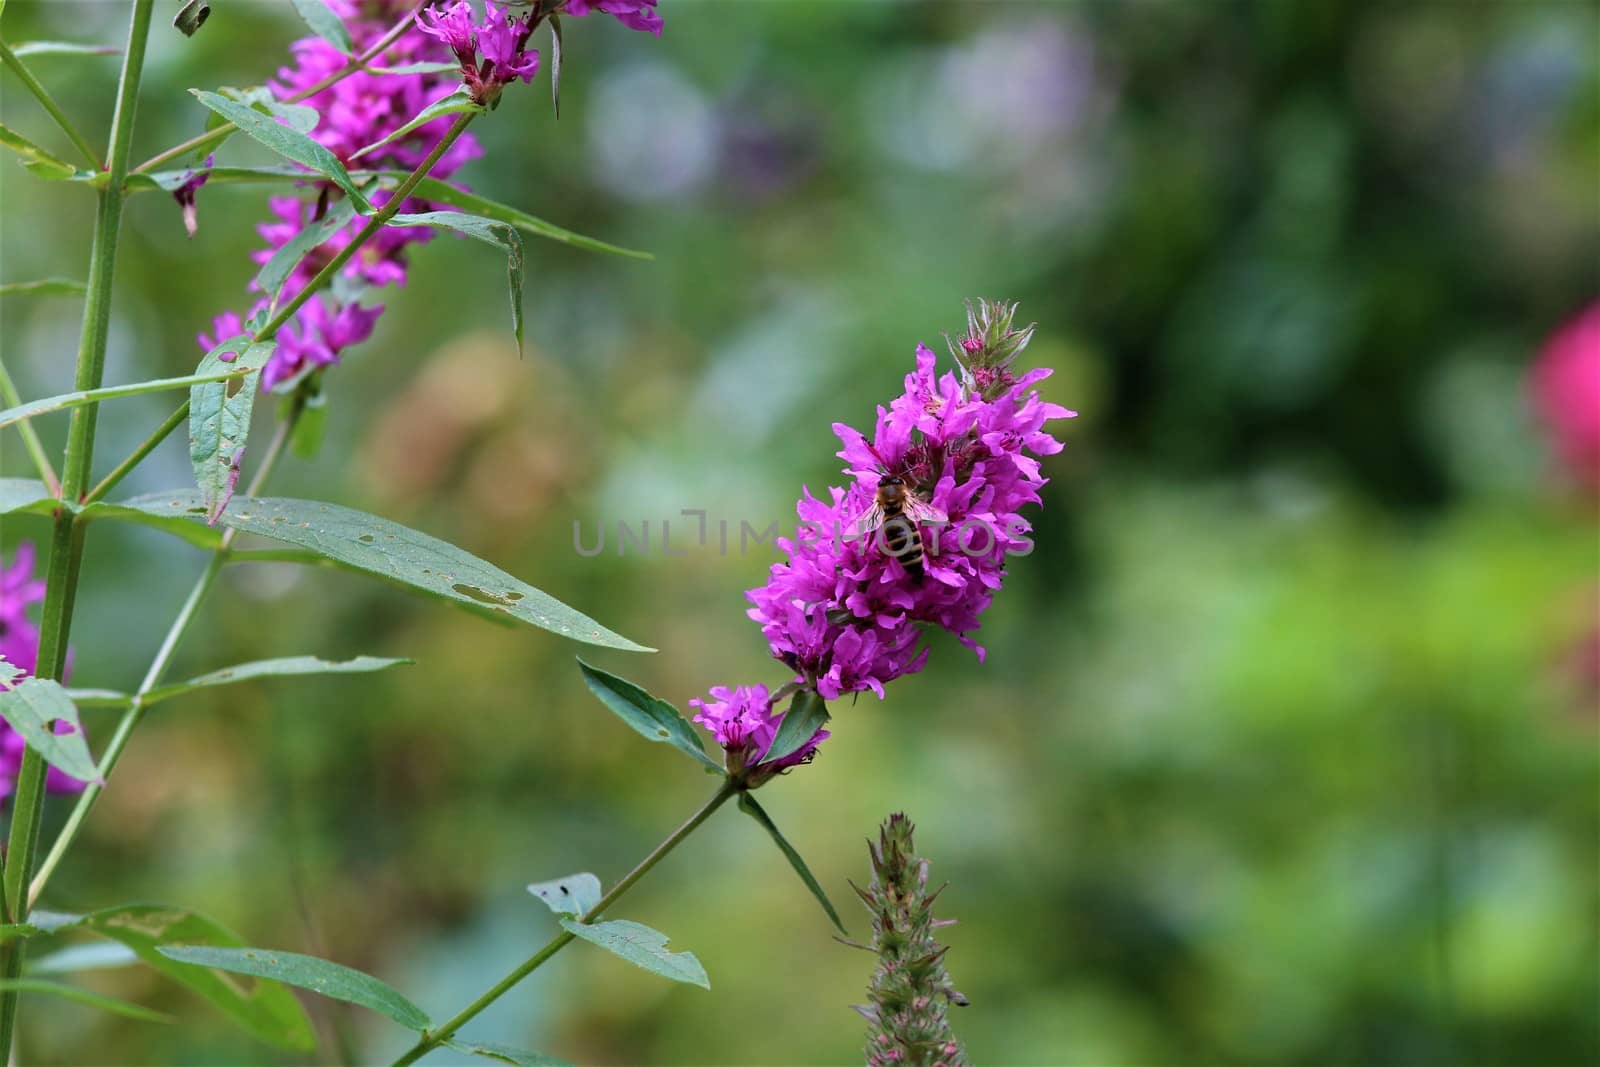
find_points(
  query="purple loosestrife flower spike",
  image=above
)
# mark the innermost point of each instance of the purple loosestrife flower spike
(844, 614)
(19, 645)
(911, 992)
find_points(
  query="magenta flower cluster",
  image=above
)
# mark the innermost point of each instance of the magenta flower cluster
(634, 14)
(1565, 385)
(356, 111)
(842, 612)
(743, 722)
(501, 40)
(19, 646)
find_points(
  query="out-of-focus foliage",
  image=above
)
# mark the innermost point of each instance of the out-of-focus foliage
(1281, 753)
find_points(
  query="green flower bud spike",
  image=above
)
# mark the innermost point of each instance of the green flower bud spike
(992, 342)
(911, 992)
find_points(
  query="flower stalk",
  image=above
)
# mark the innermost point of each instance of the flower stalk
(66, 542)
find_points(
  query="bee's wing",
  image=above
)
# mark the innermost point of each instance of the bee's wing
(919, 510)
(863, 524)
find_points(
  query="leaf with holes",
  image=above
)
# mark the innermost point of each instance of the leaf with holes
(219, 419)
(640, 946)
(288, 143)
(576, 894)
(652, 718)
(457, 103)
(35, 708)
(501, 235)
(385, 549)
(264, 1008)
(332, 980)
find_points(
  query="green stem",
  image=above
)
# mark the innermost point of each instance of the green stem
(212, 138)
(158, 666)
(30, 437)
(66, 543)
(9, 58)
(149, 444)
(374, 224)
(432, 1039)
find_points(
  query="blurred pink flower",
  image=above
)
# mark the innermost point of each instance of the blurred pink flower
(19, 645)
(1565, 384)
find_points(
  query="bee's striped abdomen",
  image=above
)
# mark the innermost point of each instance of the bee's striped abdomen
(903, 541)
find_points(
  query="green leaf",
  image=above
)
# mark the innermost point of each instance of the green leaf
(289, 143)
(168, 180)
(324, 23)
(64, 48)
(388, 550)
(415, 68)
(298, 116)
(276, 271)
(263, 1008)
(99, 698)
(288, 666)
(39, 922)
(191, 16)
(576, 894)
(807, 714)
(332, 980)
(44, 286)
(84, 996)
(505, 1054)
(748, 805)
(457, 103)
(499, 234)
(25, 495)
(92, 956)
(220, 373)
(445, 193)
(219, 421)
(651, 718)
(640, 946)
(35, 158)
(33, 706)
(555, 63)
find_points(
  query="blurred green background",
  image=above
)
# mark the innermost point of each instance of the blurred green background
(1280, 754)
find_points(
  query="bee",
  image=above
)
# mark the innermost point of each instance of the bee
(896, 511)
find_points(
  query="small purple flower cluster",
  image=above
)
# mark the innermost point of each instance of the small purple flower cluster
(356, 111)
(19, 646)
(742, 721)
(501, 40)
(634, 14)
(844, 613)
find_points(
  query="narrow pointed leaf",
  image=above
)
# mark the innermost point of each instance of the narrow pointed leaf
(555, 63)
(33, 706)
(219, 423)
(289, 143)
(39, 922)
(35, 158)
(575, 895)
(457, 103)
(34, 408)
(640, 946)
(90, 956)
(64, 48)
(499, 234)
(652, 718)
(264, 1008)
(517, 1057)
(748, 805)
(416, 68)
(99, 698)
(332, 980)
(270, 668)
(43, 287)
(324, 23)
(85, 996)
(276, 270)
(386, 549)
(445, 193)
(807, 714)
